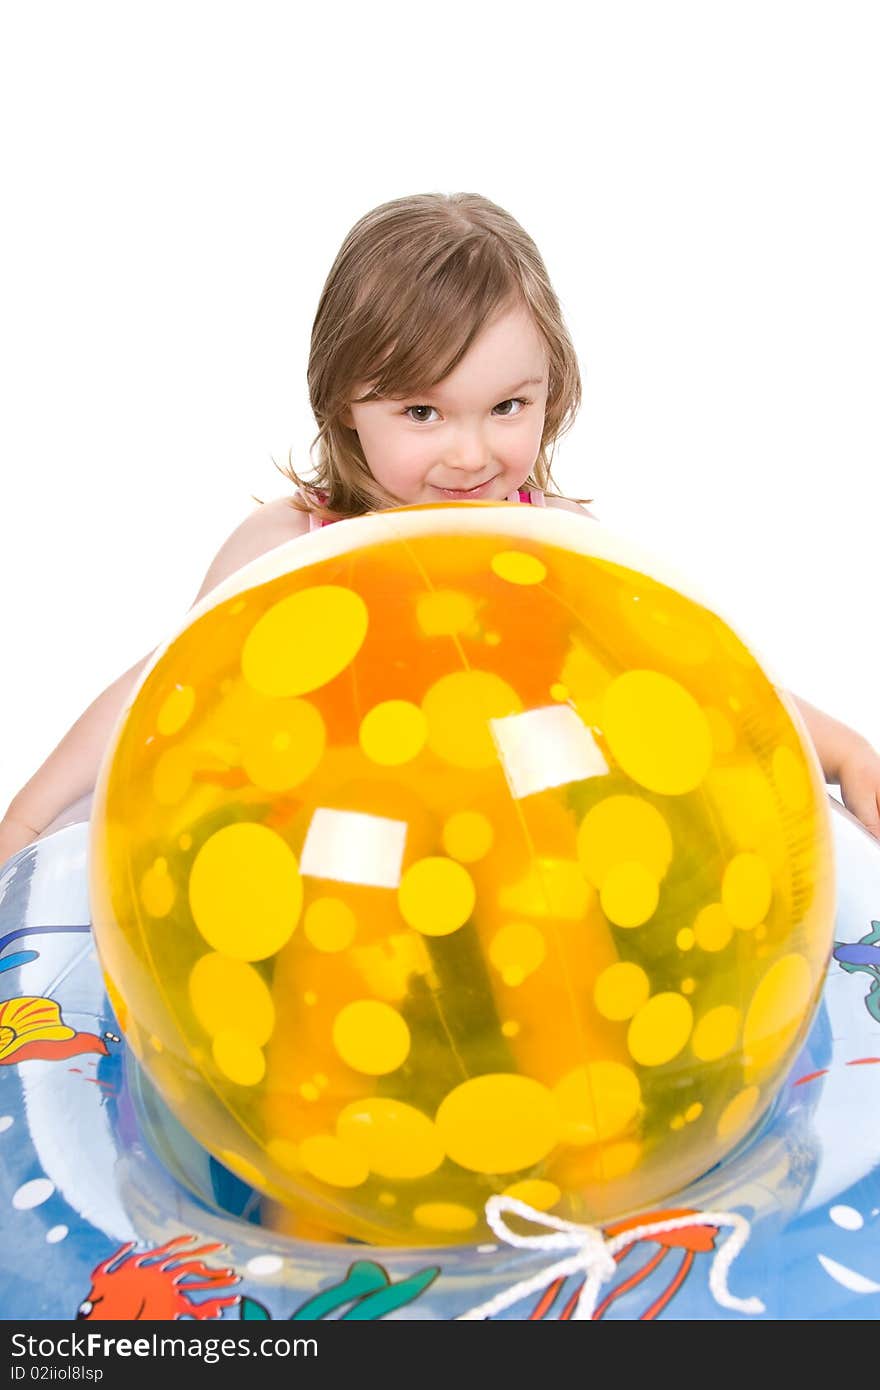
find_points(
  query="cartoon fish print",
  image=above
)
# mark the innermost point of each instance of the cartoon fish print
(693, 1240)
(31, 1028)
(863, 956)
(367, 1287)
(157, 1284)
(19, 958)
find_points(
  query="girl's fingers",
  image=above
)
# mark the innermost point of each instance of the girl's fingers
(861, 795)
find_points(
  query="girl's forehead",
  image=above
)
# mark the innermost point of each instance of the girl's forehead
(503, 382)
(507, 355)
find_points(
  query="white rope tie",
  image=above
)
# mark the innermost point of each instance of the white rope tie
(593, 1255)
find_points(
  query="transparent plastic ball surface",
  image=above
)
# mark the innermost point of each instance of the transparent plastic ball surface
(448, 852)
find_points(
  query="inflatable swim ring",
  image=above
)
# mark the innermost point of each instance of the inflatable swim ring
(110, 1211)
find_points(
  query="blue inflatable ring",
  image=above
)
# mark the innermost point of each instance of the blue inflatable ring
(109, 1210)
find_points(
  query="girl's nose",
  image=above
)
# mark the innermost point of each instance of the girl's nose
(469, 453)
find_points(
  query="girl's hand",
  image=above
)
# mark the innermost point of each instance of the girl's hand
(14, 835)
(859, 778)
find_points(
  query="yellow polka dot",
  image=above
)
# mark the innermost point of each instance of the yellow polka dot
(746, 890)
(333, 1162)
(716, 1033)
(387, 1199)
(436, 896)
(518, 568)
(688, 985)
(492, 639)
(660, 1029)
(516, 951)
(621, 990)
(445, 613)
(239, 1058)
(684, 939)
(735, 1117)
(677, 1122)
(185, 842)
(176, 709)
(657, 732)
(172, 776)
(157, 889)
(552, 888)
(458, 708)
(712, 928)
(230, 994)
(321, 1080)
(156, 1043)
(693, 1112)
(621, 829)
(249, 1172)
(329, 924)
(282, 749)
(396, 1140)
(597, 1101)
(776, 1011)
(444, 1216)
(467, 836)
(310, 998)
(610, 1161)
(629, 894)
(498, 1123)
(792, 779)
(393, 733)
(510, 1028)
(304, 641)
(535, 1192)
(371, 1037)
(309, 1091)
(284, 1153)
(560, 691)
(245, 891)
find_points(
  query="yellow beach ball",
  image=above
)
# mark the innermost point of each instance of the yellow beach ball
(448, 852)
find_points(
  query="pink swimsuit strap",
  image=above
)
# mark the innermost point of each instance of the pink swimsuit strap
(532, 496)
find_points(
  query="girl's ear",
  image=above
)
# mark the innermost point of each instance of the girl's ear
(347, 418)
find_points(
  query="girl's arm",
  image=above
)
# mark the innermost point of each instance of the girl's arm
(68, 772)
(72, 767)
(848, 760)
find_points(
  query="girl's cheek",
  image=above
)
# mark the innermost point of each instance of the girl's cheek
(414, 454)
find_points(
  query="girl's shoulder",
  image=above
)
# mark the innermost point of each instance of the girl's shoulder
(270, 525)
(566, 504)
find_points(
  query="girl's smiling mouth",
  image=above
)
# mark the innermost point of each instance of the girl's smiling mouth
(457, 494)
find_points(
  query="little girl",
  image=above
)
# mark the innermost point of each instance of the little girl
(440, 368)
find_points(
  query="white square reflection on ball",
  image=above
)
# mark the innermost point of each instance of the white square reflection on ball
(546, 748)
(352, 847)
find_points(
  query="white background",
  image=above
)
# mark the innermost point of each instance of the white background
(701, 179)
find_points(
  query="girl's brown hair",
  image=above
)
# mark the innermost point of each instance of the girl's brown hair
(414, 283)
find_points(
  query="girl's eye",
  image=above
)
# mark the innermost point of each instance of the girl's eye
(505, 414)
(517, 400)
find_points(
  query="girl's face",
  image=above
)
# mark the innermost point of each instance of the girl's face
(475, 435)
